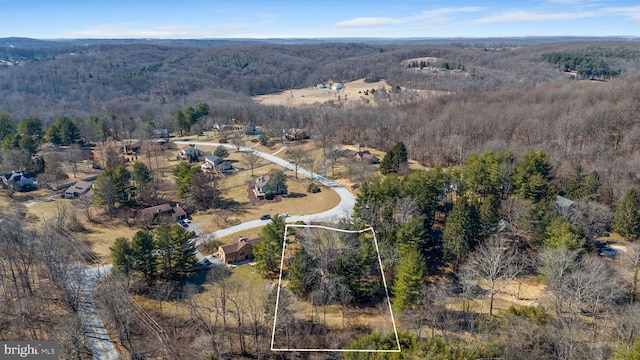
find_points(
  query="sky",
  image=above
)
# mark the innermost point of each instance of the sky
(213, 19)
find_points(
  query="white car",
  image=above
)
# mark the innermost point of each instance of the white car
(187, 221)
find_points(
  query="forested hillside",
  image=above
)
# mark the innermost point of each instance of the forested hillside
(153, 81)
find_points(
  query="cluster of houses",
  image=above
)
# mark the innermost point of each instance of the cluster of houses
(212, 163)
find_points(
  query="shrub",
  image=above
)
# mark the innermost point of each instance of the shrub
(313, 188)
(269, 195)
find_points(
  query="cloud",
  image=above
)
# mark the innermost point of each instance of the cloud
(530, 16)
(428, 15)
(113, 31)
(631, 12)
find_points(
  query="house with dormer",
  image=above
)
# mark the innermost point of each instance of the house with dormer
(19, 180)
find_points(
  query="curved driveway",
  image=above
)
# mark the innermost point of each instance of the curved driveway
(344, 208)
(102, 347)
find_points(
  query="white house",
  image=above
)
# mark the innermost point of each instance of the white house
(19, 180)
(188, 151)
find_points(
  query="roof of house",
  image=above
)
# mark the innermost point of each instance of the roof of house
(176, 211)
(236, 246)
(563, 202)
(216, 160)
(262, 181)
(80, 187)
(17, 176)
(188, 147)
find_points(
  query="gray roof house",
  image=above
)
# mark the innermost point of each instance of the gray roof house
(213, 163)
(78, 189)
(19, 180)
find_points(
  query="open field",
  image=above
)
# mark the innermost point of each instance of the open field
(354, 93)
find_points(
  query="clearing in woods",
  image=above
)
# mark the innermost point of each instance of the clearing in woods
(331, 281)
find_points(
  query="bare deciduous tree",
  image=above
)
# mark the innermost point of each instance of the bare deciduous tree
(251, 159)
(296, 155)
(495, 263)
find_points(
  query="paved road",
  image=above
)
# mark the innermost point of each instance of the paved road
(344, 208)
(102, 347)
(94, 330)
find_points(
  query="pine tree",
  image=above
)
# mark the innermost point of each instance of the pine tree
(300, 274)
(411, 235)
(409, 279)
(461, 228)
(142, 248)
(560, 233)
(592, 186)
(626, 219)
(394, 159)
(268, 251)
(122, 256)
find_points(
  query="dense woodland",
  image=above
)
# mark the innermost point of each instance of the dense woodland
(516, 131)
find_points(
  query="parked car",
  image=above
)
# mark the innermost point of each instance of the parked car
(204, 265)
(284, 215)
(265, 217)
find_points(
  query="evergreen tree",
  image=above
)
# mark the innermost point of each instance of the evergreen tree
(184, 256)
(268, 251)
(487, 173)
(7, 126)
(221, 151)
(31, 126)
(574, 186)
(122, 256)
(63, 131)
(184, 174)
(460, 230)
(395, 159)
(626, 218)
(112, 187)
(144, 258)
(531, 176)
(411, 236)
(488, 213)
(592, 186)
(426, 188)
(300, 273)
(278, 182)
(560, 233)
(409, 278)
(141, 174)
(181, 122)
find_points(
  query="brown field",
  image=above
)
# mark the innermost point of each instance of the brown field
(353, 94)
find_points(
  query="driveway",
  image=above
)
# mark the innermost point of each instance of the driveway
(102, 348)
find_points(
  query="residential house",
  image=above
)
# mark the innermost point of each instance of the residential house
(296, 134)
(337, 86)
(151, 213)
(565, 207)
(240, 250)
(249, 129)
(321, 86)
(132, 148)
(188, 152)
(263, 185)
(215, 164)
(161, 134)
(366, 157)
(19, 180)
(80, 188)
